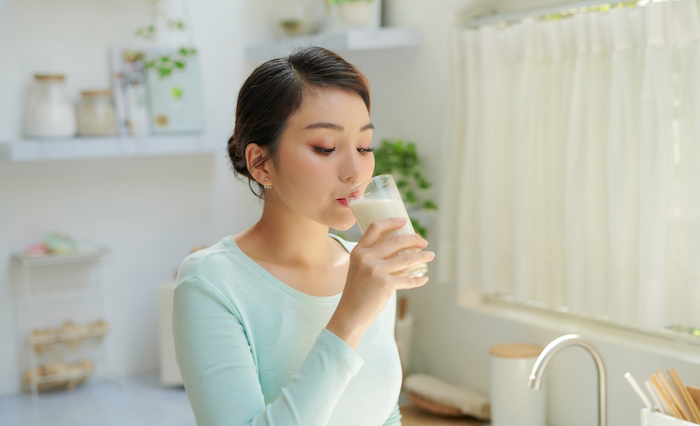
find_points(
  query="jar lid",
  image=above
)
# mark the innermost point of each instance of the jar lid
(88, 93)
(516, 350)
(49, 77)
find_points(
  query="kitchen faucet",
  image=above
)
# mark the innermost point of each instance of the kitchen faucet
(557, 345)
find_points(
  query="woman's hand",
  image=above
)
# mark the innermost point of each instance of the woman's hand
(371, 280)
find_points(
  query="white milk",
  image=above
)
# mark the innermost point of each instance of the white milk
(369, 211)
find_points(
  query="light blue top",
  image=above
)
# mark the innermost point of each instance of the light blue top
(254, 351)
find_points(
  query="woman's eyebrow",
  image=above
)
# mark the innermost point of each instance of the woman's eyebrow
(336, 127)
(367, 127)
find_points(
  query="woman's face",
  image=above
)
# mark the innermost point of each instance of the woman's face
(323, 152)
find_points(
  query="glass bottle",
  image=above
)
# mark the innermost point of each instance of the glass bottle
(95, 114)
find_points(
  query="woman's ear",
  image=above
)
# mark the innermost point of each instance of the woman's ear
(258, 169)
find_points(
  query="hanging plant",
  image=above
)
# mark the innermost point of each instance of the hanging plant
(167, 63)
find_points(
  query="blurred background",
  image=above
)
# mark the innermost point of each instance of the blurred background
(114, 121)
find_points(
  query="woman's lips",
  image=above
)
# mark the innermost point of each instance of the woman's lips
(344, 202)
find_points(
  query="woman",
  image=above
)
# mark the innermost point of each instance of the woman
(285, 324)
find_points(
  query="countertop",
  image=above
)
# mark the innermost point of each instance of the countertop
(412, 416)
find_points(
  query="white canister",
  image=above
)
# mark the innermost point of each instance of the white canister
(512, 401)
(49, 112)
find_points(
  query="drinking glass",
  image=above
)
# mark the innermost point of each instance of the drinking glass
(377, 199)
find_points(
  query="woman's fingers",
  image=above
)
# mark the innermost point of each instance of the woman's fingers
(398, 243)
(407, 283)
(407, 259)
(376, 229)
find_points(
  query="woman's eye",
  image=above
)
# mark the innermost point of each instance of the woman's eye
(365, 150)
(324, 150)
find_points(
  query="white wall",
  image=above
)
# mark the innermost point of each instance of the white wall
(149, 211)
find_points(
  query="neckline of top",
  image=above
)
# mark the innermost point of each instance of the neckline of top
(231, 243)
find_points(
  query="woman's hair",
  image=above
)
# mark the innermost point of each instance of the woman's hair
(275, 91)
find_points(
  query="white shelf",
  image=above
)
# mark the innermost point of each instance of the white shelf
(105, 147)
(57, 258)
(353, 40)
(28, 300)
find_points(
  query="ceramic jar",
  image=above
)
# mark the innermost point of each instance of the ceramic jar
(49, 112)
(512, 402)
(357, 14)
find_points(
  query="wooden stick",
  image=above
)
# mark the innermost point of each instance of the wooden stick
(683, 398)
(695, 401)
(681, 409)
(694, 411)
(662, 393)
(694, 393)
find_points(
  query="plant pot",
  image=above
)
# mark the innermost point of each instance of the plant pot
(292, 18)
(356, 14)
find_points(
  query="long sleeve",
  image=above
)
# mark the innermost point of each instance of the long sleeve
(395, 417)
(221, 376)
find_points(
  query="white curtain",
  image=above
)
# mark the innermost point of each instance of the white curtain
(574, 164)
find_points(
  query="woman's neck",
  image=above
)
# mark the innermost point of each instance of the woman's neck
(288, 239)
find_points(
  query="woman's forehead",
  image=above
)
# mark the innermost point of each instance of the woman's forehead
(330, 105)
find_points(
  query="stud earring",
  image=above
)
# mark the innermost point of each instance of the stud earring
(267, 178)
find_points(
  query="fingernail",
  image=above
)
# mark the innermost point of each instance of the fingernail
(431, 254)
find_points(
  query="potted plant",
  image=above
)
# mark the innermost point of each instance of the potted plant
(401, 160)
(355, 13)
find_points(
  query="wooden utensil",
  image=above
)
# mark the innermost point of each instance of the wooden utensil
(694, 393)
(664, 397)
(692, 407)
(679, 406)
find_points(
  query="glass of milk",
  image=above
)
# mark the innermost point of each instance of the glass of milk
(377, 199)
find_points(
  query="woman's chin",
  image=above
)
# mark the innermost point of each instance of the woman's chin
(344, 226)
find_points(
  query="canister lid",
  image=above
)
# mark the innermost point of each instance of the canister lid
(49, 76)
(88, 93)
(516, 350)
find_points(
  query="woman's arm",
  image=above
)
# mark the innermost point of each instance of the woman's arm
(221, 377)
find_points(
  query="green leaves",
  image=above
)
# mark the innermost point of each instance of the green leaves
(166, 64)
(420, 229)
(146, 33)
(401, 160)
(429, 205)
(176, 24)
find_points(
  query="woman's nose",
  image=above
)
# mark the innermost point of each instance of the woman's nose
(350, 166)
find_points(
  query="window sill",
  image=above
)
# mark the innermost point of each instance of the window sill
(660, 343)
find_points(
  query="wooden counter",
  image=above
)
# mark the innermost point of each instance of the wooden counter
(412, 416)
